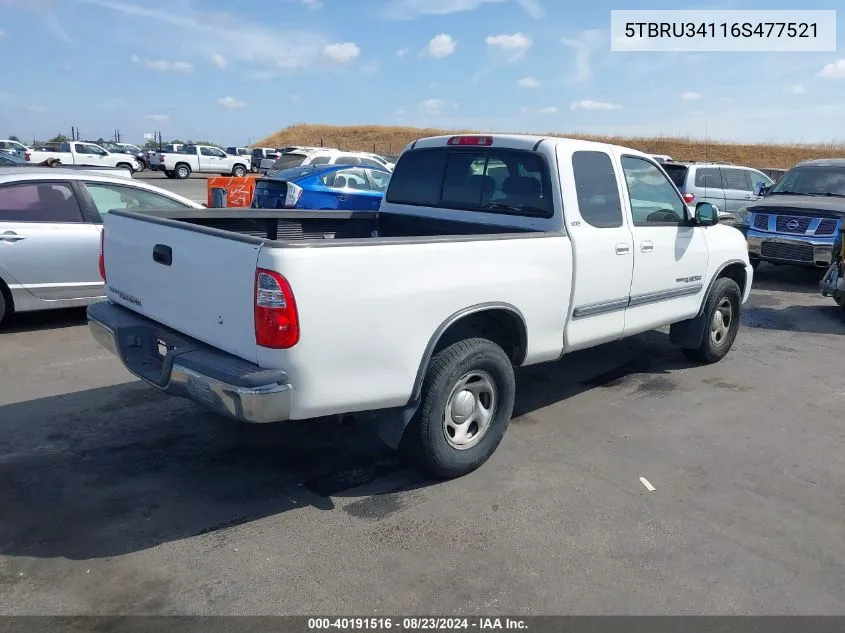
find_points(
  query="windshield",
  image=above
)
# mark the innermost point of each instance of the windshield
(812, 181)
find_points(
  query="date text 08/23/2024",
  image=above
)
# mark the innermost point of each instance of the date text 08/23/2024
(416, 624)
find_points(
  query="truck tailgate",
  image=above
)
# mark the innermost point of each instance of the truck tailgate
(194, 280)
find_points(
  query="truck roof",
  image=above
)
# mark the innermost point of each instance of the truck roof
(521, 141)
(823, 162)
(38, 172)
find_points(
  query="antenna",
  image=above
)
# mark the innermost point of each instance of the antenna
(706, 140)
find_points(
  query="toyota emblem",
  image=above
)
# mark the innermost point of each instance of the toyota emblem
(792, 225)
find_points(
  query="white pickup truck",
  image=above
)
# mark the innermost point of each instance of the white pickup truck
(203, 159)
(487, 253)
(78, 153)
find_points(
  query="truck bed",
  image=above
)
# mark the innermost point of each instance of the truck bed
(300, 227)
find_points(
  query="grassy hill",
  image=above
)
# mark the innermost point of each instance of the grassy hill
(390, 140)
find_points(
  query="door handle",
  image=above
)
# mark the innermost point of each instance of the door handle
(11, 236)
(748, 197)
(622, 249)
(646, 247)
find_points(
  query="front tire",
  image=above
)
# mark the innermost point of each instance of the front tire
(721, 316)
(239, 171)
(755, 262)
(2, 306)
(467, 401)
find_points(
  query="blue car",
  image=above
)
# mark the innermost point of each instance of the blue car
(8, 160)
(339, 187)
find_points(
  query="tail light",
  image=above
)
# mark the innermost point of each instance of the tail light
(161, 157)
(276, 318)
(27, 156)
(689, 197)
(292, 195)
(470, 140)
(102, 254)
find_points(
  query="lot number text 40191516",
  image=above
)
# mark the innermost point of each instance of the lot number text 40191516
(416, 623)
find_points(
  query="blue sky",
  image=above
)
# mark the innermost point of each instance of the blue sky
(235, 71)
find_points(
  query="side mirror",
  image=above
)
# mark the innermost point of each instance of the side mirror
(760, 189)
(706, 214)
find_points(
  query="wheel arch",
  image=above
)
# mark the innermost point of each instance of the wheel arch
(7, 296)
(732, 269)
(505, 325)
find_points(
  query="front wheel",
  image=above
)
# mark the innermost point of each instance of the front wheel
(721, 316)
(467, 401)
(239, 171)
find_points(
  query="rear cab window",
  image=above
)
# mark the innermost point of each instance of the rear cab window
(487, 179)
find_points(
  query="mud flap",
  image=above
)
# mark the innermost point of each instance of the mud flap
(392, 424)
(689, 333)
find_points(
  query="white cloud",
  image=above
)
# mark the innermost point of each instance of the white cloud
(219, 60)
(164, 66)
(547, 110)
(435, 107)
(157, 117)
(342, 53)
(585, 44)
(271, 51)
(834, 69)
(532, 8)
(36, 108)
(515, 42)
(690, 96)
(441, 45)
(230, 103)
(402, 52)
(411, 9)
(2, 34)
(529, 82)
(587, 104)
(796, 89)
(313, 4)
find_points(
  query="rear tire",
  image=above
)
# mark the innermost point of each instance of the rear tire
(2, 305)
(467, 402)
(169, 173)
(721, 316)
(182, 172)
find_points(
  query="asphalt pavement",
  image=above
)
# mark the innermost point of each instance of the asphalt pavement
(118, 499)
(194, 188)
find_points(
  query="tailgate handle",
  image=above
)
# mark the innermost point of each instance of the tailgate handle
(163, 254)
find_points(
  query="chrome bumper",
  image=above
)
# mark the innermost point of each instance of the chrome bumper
(822, 248)
(210, 377)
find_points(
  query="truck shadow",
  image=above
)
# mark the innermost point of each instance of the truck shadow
(119, 469)
(44, 320)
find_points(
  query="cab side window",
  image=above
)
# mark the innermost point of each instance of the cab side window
(598, 191)
(654, 200)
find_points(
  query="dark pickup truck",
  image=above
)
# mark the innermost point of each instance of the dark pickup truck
(798, 219)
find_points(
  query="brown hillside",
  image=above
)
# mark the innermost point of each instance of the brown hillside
(390, 140)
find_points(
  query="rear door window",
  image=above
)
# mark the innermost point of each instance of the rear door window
(736, 179)
(347, 160)
(709, 177)
(477, 179)
(39, 202)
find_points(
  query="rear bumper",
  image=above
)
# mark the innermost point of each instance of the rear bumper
(816, 252)
(191, 369)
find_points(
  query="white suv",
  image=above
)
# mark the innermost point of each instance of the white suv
(300, 156)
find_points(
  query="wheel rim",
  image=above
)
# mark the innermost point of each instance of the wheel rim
(470, 409)
(183, 172)
(720, 324)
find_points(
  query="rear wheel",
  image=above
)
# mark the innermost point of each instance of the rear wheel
(182, 171)
(169, 173)
(2, 305)
(467, 401)
(721, 316)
